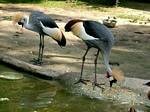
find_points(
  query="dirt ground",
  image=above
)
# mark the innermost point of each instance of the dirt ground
(131, 50)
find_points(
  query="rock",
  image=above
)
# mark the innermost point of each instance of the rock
(4, 99)
(120, 93)
(11, 75)
(110, 22)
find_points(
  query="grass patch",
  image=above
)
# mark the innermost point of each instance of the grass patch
(102, 8)
(133, 17)
(78, 5)
(81, 5)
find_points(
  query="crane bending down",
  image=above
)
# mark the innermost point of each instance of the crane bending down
(94, 35)
(44, 25)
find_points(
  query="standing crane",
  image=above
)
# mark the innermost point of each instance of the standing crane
(94, 35)
(44, 25)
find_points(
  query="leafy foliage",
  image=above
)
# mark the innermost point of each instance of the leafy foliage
(144, 1)
(105, 2)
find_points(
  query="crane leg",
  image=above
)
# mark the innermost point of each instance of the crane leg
(81, 80)
(42, 46)
(95, 79)
(37, 61)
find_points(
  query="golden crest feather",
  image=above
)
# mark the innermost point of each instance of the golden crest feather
(118, 74)
(17, 17)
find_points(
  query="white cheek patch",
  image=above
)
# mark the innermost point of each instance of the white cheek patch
(111, 78)
(79, 31)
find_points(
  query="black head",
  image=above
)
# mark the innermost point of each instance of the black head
(20, 23)
(23, 20)
(71, 23)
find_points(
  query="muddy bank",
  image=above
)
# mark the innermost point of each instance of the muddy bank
(126, 92)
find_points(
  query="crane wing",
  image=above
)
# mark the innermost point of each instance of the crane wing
(48, 22)
(97, 30)
(36, 17)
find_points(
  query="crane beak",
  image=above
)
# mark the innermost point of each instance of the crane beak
(20, 23)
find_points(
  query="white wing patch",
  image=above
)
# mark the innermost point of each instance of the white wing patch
(52, 32)
(80, 32)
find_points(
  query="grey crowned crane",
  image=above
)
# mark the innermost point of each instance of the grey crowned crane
(94, 35)
(44, 25)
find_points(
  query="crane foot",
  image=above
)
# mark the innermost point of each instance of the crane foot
(37, 62)
(95, 84)
(84, 81)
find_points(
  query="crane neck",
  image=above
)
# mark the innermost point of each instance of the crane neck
(26, 23)
(106, 62)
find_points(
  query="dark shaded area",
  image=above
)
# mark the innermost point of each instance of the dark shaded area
(148, 84)
(104, 2)
(20, 1)
(148, 95)
(135, 5)
(113, 2)
(143, 1)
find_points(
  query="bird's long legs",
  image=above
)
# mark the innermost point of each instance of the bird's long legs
(81, 80)
(95, 78)
(38, 60)
(42, 46)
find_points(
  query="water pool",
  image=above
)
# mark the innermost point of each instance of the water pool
(31, 94)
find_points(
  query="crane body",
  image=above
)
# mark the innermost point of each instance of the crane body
(44, 25)
(94, 35)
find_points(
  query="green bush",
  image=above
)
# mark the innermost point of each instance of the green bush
(109, 2)
(105, 2)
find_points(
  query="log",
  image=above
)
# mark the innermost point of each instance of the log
(24, 66)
